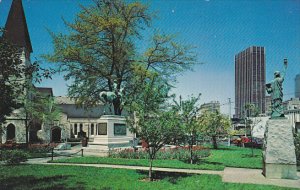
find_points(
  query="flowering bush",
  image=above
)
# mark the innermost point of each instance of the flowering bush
(178, 153)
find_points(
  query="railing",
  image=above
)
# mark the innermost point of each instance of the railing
(54, 154)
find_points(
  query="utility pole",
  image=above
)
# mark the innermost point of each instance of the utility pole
(229, 102)
(229, 105)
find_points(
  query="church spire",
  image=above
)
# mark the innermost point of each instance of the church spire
(16, 30)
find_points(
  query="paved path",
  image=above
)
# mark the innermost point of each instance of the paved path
(192, 171)
(254, 176)
(230, 175)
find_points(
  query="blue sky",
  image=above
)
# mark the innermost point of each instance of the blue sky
(218, 29)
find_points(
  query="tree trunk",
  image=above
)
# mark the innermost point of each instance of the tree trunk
(117, 107)
(26, 128)
(214, 141)
(150, 170)
(251, 142)
(191, 154)
(191, 149)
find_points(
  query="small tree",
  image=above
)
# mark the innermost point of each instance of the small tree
(251, 111)
(39, 107)
(188, 111)
(155, 123)
(157, 130)
(214, 124)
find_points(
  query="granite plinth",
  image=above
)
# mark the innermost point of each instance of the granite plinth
(279, 150)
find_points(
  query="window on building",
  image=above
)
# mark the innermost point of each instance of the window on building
(75, 128)
(102, 128)
(92, 129)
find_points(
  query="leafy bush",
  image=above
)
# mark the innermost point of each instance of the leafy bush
(178, 153)
(297, 147)
(13, 156)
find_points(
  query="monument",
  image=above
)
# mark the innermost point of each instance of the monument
(111, 130)
(279, 158)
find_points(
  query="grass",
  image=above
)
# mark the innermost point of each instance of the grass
(25, 177)
(218, 160)
(236, 157)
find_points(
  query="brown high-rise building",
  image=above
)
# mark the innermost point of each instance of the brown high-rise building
(250, 79)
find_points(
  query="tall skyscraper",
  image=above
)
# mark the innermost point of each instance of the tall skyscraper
(297, 86)
(250, 79)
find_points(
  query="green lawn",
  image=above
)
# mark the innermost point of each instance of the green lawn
(236, 157)
(218, 160)
(74, 177)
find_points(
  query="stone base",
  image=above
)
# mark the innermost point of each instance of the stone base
(96, 150)
(110, 140)
(280, 171)
(279, 150)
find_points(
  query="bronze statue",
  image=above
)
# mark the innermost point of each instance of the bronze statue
(275, 89)
(108, 97)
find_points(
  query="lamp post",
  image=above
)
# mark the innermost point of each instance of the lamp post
(294, 118)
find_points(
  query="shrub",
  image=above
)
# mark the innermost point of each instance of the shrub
(177, 153)
(13, 156)
(297, 148)
(39, 148)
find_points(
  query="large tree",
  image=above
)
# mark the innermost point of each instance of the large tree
(103, 46)
(10, 76)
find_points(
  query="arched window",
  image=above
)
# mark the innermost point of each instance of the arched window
(55, 134)
(10, 132)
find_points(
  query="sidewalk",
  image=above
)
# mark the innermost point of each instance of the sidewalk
(230, 175)
(254, 176)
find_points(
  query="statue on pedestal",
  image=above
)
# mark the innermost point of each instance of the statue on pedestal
(279, 158)
(275, 89)
(111, 97)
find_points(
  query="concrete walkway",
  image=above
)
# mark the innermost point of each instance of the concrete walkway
(230, 175)
(254, 176)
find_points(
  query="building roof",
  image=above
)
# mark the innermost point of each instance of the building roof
(64, 100)
(16, 30)
(72, 110)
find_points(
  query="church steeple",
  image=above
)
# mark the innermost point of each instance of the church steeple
(16, 30)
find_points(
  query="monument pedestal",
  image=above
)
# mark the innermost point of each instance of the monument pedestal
(279, 158)
(111, 132)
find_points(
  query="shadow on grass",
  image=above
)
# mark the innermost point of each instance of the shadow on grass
(250, 156)
(57, 182)
(172, 177)
(225, 148)
(208, 162)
